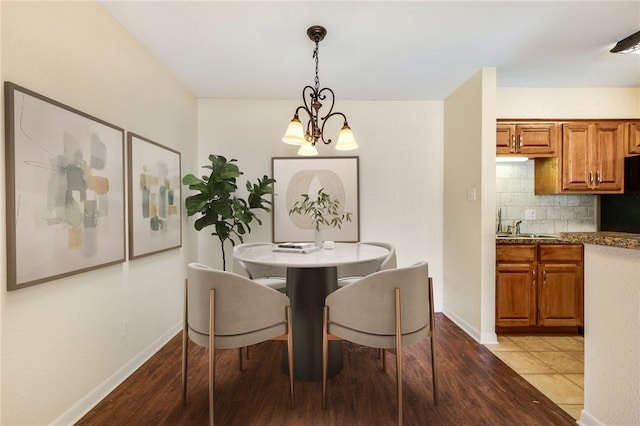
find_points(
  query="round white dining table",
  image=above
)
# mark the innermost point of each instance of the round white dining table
(310, 278)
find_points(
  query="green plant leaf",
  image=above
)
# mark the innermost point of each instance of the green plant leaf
(217, 204)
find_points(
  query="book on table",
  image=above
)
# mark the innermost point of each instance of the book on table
(296, 248)
(296, 245)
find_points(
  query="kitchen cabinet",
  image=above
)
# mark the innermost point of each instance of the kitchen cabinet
(539, 287)
(530, 139)
(593, 157)
(634, 138)
(560, 292)
(515, 285)
(591, 160)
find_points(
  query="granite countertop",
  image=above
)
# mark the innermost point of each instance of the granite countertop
(532, 240)
(613, 239)
(603, 238)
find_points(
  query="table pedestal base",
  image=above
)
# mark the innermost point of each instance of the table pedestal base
(307, 289)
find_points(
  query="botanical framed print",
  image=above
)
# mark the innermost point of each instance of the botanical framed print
(65, 190)
(337, 176)
(155, 219)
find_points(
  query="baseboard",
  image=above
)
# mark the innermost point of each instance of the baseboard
(465, 326)
(587, 419)
(82, 407)
(490, 338)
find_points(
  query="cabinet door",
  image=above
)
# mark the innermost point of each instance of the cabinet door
(537, 139)
(634, 138)
(560, 295)
(607, 157)
(575, 165)
(515, 295)
(505, 138)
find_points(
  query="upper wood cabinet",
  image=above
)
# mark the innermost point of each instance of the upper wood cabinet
(593, 157)
(633, 147)
(591, 160)
(531, 139)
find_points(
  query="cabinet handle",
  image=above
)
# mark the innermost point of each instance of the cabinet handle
(533, 283)
(544, 277)
(521, 141)
(513, 142)
(590, 178)
(598, 177)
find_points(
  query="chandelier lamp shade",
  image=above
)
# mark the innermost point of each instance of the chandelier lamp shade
(307, 136)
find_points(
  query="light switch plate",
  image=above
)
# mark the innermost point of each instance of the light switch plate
(471, 194)
(530, 214)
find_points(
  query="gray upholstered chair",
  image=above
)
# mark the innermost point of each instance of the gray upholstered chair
(348, 274)
(388, 309)
(270, 276)
(240, 313)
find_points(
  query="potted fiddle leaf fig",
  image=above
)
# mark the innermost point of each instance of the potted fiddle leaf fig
(323, 211)
(218, 205)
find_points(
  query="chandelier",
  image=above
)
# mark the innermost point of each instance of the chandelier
(312, 98)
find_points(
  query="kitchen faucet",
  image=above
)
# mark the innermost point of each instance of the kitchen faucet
(515, 228)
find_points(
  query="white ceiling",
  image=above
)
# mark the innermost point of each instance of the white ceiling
(383, 50)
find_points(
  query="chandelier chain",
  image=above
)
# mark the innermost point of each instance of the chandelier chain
(315, 55)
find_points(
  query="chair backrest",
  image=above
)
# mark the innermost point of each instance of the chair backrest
(366, 308)
(241, 305)
(366, 268)
(390, 261)
(254, 271)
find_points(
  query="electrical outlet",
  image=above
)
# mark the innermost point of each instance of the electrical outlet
(126, 328)
(530, 214)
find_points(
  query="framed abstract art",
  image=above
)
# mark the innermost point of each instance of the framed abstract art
(155, 219)
(65, 190)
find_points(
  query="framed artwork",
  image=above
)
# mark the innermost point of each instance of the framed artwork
(155, 219)
(65, 190)
(337, 176)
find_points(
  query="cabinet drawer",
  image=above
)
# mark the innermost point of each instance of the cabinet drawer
(516, 253)
(560, 252)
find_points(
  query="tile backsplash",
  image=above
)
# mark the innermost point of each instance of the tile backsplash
(553, 213)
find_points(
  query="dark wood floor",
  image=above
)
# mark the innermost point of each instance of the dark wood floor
(476, 388)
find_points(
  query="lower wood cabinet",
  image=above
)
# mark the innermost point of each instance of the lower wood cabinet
(539, 287)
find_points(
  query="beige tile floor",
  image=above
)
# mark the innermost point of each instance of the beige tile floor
(553, 364)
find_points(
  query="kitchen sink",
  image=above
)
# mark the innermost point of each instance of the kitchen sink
(528, 236)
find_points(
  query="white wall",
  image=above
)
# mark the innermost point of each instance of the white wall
(469, 163)
(568, 103)
(62, 348)
(400, 151)
(612, 337)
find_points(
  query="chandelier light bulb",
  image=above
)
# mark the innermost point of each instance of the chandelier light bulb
(307, 149)
(295, 133)
(346, 141)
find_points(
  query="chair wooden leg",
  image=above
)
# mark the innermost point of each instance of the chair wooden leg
(212, 354)
(399, 355)
(384, 360)
(325, 355)
(240, 359)
(185, 342)
(290, 357)
(433, 344)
